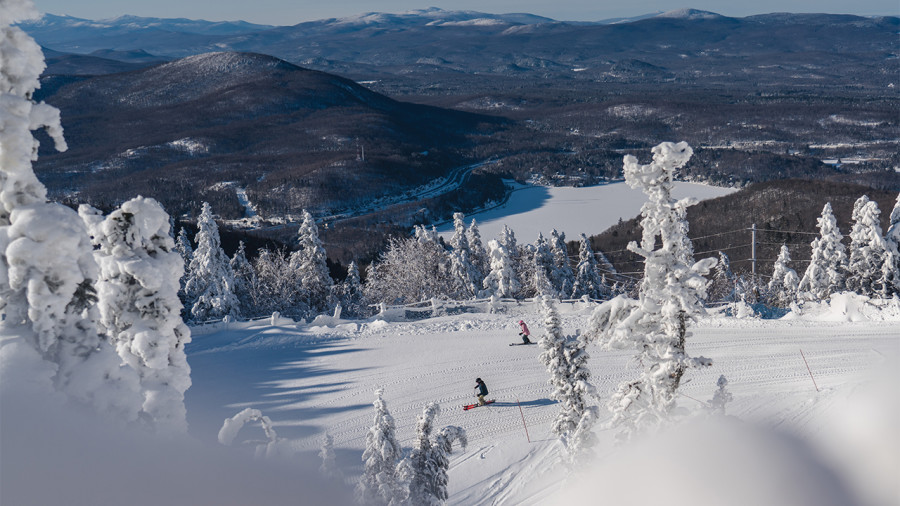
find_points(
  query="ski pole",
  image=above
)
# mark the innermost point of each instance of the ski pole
(523, 419)
(810, 371)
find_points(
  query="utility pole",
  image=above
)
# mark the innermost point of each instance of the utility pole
(753, 251)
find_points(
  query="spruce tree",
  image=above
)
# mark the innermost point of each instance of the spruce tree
(868, 250)
(210, 284)
(501, 280)
(541, 265)
(588, 279)
(379, 483)
(892, 243)
(244, 280)
(310, 268)
(827, 269)
(425, 470)
(476, 246)
(139, 307)
(670, 298)
(463, 269)
(561, 276)
(782, 288)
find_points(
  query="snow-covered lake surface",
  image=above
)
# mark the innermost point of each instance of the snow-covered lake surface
(589, 210)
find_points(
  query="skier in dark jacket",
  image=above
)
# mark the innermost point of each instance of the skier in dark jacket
(482, 391)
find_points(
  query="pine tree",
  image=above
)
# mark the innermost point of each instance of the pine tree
(426, 467)
(329, 468)
(722, 287)
(782, 288)
(507, 240)
(47, 298)
(379, 482)
(868, 251)
(244, 280)
(541, 264)
(561, 276)
(139, 307)
(892, 243)
(210, 284)
(827, 268)
(670, 298)
(588, 279)
(465, 273)
(566, 359)
(501, 280)
(183, 246)
(310, 268)
(349, 293)
(476, 246)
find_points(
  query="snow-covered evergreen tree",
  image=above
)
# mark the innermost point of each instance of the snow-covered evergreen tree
(476, 246)
(868, 251)
(275, 287)
(892, 243)
(244, 280)
(47, 267)
(670, 298)
(183, 246)
(722, 286)
(379, 483)
(588, 279)
(782, 288)
(463, 269)
(349, 293)
(329, 468)
(721, 397)
(139, 307)
(507, 239)
(310, 268)
(541, 265)
(826, 272)
(566, 359)
(425, 470)
(501, 280)
(210, 283)
(561, 276)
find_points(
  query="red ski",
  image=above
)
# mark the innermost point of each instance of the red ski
(471, 406)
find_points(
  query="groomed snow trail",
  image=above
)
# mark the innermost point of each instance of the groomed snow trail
(309, 380)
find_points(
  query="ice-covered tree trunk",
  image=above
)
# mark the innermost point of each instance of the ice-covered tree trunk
(379, 483)
(561, 276)
(465, 273)
(670, 297)
(782, 287)
(308, 262)
(566, 360)
(588, 279)
(827, 268)
(210, 284)
(139, 306)
(868, 250)
(47, 268)
(501, 280)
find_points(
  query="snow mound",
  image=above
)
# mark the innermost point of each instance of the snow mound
(852, 307)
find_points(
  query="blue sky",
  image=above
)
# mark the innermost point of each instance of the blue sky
(288, 12)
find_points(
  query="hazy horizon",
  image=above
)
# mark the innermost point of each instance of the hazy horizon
(284, 12)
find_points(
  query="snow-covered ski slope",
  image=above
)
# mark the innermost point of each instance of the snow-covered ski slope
(310, 379)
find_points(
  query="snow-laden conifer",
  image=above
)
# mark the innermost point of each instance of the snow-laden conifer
(463, 269)
(479, 253)
(507, 239)
(826, 272)
(561, 276)
(47, 268)
(782, 288)
(868, 251)
(670, 297)
(329, 468)
(721, 396)
(349, 293)
(379, 483)
(566, 359)
(722, 285)
(310, 268)
(891, 266)
(275, 286)
(588, 279)
(244, 280)
(210, 283)
(541, 265)
(501, 280)
(183, 246)
(425, 469)
(139, 307)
